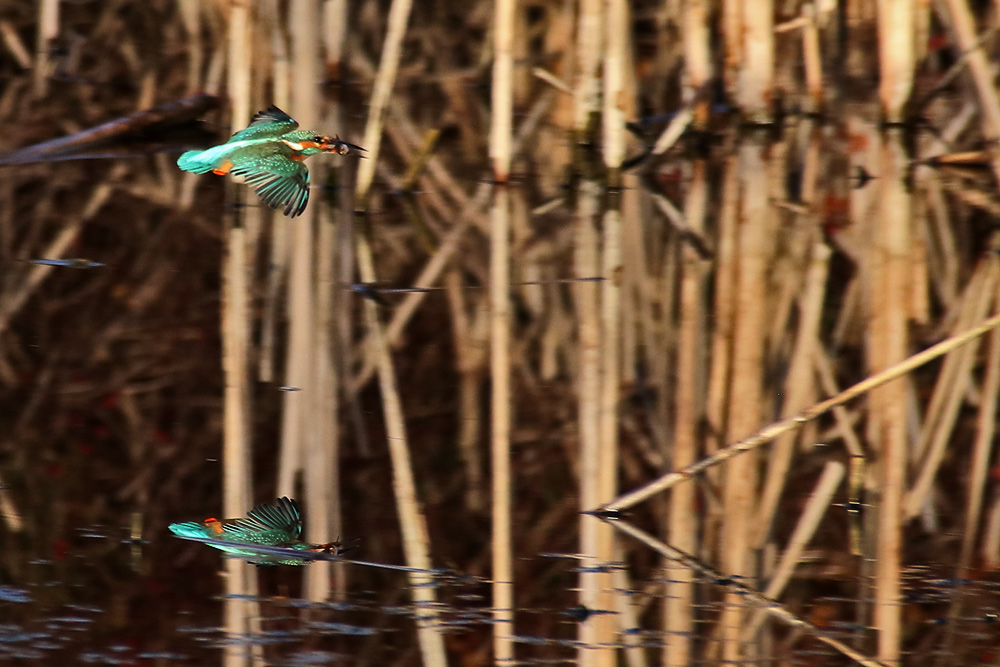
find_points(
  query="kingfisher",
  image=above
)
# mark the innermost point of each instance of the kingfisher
(270, 534)
(270, 154)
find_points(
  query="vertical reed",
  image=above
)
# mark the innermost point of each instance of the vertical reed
(502, 107)
(587, 90)
(813, 59)
(889, 342)
(48, 29)
(697, 57)
(332, 303)
(236, 454)
(756, 93)
(615, 102)
(317, 411)
(739, 494)
(896, 56)
(296, 425)
(682, 525)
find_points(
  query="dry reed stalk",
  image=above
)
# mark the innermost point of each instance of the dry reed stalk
(813, 59)
(682, 523)
(783, 426)
(770, 606)
(615, 102)
(48, 29)
(274, 276)
(191, 15)
(416, 544)
(277, 267)
(241, 581)
(982, 73)
(955, 368)
(321, 457)
(470, 346)
(8, 510)
(888, 310)
(980, 296)
(500, 413)
(297, 419)
(552, 151)
(587, 85)
(896, 56)
(633, 270)
(322, 479)
(236, 436)
(920, 302)
(663, 338)
(978, 472)
(745, 407)
(15, 46)
(697, 58)
(733, 46)
(588, 382)
(587, 105)
(982, 451)
(635, 651)
(756, 92)
(501, 129)
(449, 243)
(399, 14)
(819, 501)
(990, 550)
(828, 383)
(342, 333)
(798, 390)
(723, 310)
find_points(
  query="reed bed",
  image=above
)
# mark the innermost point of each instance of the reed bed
(738, 366)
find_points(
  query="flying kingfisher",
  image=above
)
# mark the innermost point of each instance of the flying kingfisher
(270, 154)
(268, 535)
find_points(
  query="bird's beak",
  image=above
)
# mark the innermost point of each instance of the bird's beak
(342, 147)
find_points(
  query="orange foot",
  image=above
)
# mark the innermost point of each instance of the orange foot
(223, 168)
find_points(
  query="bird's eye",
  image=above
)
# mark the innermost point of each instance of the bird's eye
(317, 139)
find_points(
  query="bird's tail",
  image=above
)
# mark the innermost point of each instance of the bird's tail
(197, 162)
(189, 529)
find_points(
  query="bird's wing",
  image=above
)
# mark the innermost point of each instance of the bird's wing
(279, 181)
(281, 515)
(270, 123)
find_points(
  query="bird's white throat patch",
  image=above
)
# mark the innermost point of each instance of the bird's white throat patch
(294, 146)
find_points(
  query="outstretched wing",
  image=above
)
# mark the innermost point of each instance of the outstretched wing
(282, 515)
(279, 181)
(270, 123)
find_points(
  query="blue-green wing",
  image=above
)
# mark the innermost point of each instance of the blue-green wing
(270, 123)
(279, 181)
(282, 514)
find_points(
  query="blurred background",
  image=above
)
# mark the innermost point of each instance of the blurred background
(591, 243)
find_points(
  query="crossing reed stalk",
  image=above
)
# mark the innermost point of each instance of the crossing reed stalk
(416, 543)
